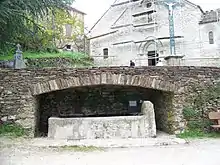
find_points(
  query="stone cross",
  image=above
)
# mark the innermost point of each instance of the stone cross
(170, 7)
(18, 47)
(18, 59)
(171, 4)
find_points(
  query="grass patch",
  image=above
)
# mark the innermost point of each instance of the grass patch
(12, 130)
(78, 148)
(194, 134)
(37, 55)
(76, 59)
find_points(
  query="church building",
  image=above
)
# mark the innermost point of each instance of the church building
(149, 32)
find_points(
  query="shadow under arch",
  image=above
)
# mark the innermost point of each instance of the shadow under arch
(101, 101)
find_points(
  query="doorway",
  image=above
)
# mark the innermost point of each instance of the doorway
(153, 58)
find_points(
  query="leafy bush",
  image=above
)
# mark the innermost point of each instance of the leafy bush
(196, 115)
(12, 130)
(190, 113)
(199, 124)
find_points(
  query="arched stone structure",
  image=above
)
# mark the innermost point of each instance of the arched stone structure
(104, 79)
(111, 79)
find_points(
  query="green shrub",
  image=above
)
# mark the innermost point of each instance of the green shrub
(190, 113)
(201, 102)
(197, 133)
(199, 124)
(12, 130)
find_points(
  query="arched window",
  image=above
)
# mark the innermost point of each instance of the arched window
(153, 56)
(149, 4)
(211, 37)
(105, 53)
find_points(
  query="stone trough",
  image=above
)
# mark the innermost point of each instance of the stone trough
(104, 127)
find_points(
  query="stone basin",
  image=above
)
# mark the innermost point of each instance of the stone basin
(102, 127)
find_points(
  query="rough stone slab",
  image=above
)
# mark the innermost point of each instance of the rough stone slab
(148, 110)
(161, 140)
(101, 128)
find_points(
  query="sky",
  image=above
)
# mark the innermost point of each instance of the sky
(94, 9)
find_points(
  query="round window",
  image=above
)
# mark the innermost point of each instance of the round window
(149, 4)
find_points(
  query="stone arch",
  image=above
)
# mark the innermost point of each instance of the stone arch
(104, 79)
(149, 41)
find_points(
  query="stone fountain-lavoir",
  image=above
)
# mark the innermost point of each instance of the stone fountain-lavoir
(105, 127)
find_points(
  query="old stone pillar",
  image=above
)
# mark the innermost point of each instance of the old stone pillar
(174, 60)
(18, 59)
(148, 111)
(27, 115)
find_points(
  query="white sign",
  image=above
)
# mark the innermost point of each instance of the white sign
(132, 103)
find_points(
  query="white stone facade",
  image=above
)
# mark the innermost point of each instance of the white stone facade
(132, 29)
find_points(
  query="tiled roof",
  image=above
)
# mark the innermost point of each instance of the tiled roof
(210, 16)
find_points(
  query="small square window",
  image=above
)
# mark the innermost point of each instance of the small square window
(68, 46)
(149, 4)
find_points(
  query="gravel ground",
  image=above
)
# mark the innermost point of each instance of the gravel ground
(199, 152)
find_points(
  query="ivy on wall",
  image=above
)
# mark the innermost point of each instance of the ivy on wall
(201, 104)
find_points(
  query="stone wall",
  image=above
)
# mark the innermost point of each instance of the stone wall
(20, 89)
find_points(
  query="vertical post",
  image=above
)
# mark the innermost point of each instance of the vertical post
(173, 59)
(53, 26)
(18, 58)
(85, 43)
(171, 29)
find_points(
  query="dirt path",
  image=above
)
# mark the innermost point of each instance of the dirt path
(200, 152)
